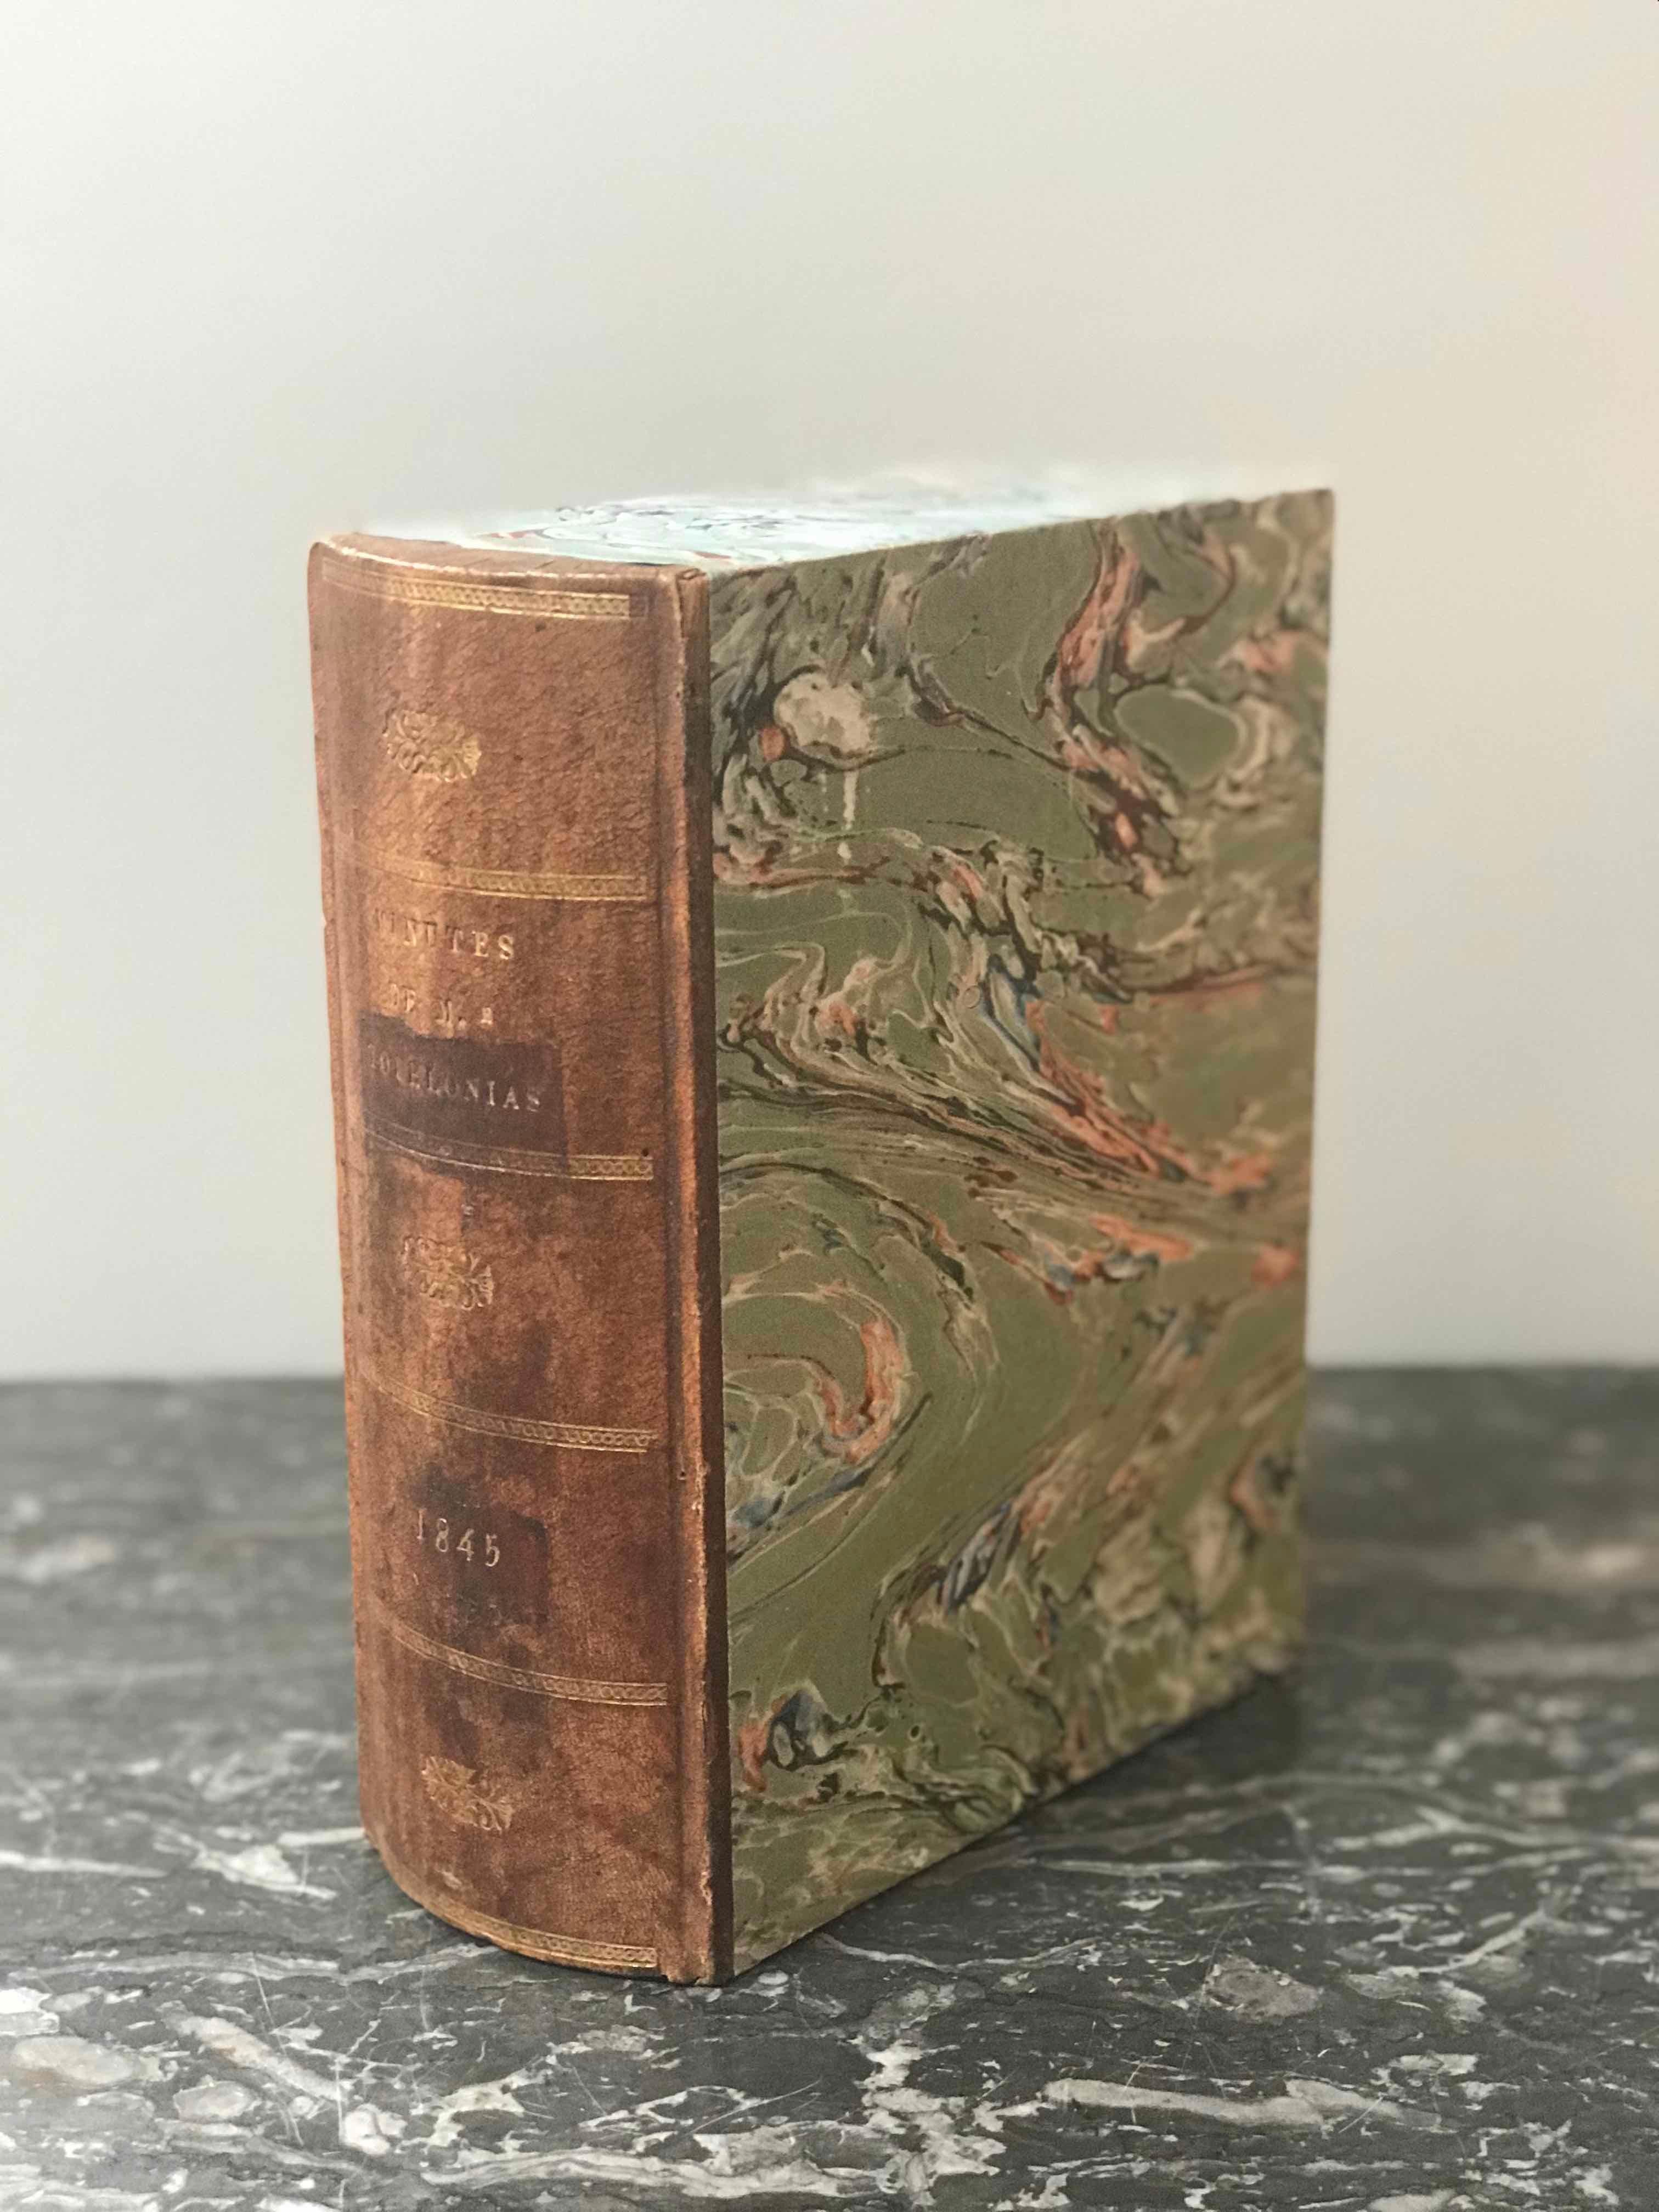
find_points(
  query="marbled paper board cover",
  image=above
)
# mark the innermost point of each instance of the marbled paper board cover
(1016, 852)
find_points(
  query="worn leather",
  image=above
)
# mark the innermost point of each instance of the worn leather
(511, 772)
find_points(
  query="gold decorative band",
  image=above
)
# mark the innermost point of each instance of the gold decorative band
(622, 890)
(535, 1942)
(573, 1436)
(506, 1159)
(569, 1686)
(414, 588)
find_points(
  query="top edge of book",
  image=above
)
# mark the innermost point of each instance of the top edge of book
(720, 534)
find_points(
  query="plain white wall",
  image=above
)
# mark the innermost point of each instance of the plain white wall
(269, 271)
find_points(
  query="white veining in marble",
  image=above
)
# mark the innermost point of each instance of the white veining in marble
(1387, 1940)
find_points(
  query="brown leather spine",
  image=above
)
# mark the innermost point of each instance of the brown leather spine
(513, 779)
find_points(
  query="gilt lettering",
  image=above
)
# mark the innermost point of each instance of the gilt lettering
(420, 931)
(431, 1081)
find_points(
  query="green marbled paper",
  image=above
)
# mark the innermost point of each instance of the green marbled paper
(1016, 879)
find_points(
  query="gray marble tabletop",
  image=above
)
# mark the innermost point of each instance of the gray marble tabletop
(1380, 1939)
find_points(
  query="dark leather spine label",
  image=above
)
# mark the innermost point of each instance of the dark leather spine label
(491, 769)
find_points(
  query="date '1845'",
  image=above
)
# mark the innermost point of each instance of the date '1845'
(439, 1532)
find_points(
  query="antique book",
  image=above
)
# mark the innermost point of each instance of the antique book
(822, 1018)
